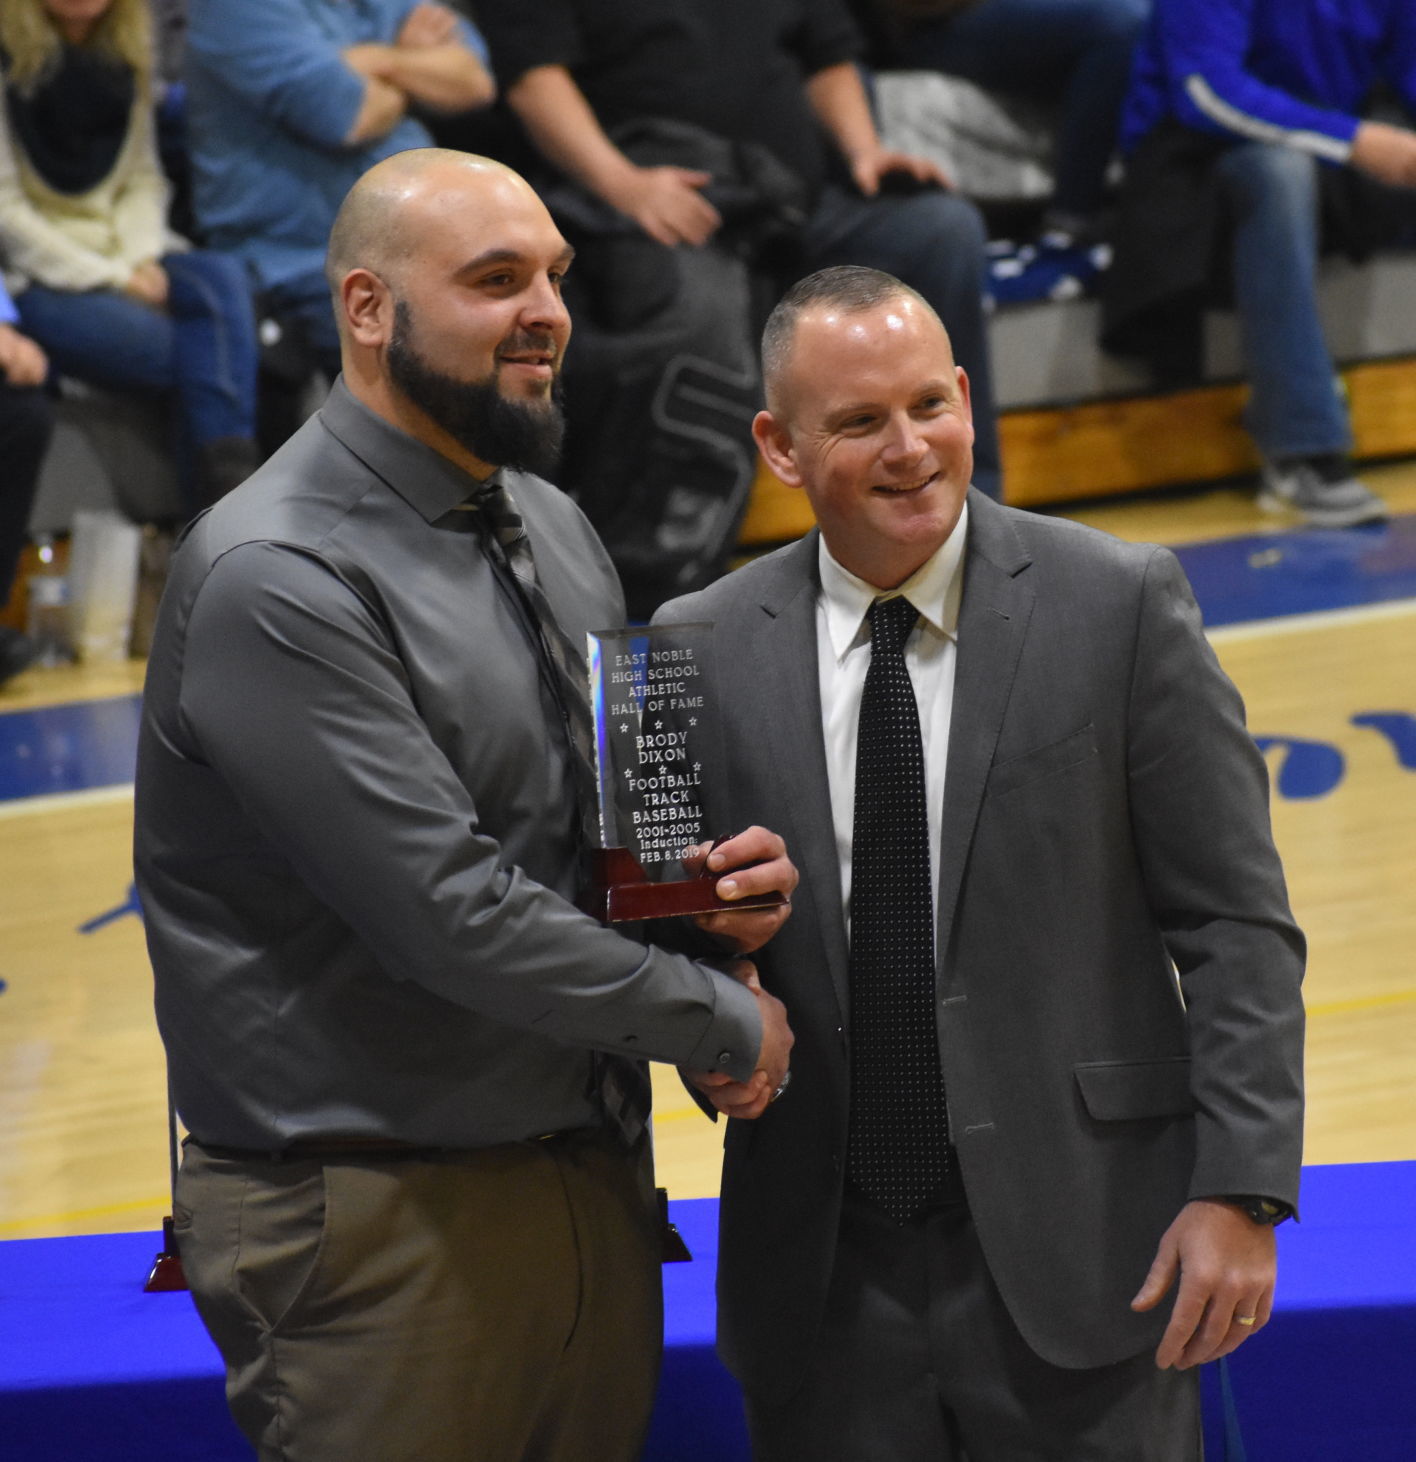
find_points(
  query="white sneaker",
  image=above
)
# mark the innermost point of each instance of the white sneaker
(1321, 489)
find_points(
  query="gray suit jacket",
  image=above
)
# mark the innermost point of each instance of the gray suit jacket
(1105, 815)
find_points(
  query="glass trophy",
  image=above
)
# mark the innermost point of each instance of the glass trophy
(656, 733)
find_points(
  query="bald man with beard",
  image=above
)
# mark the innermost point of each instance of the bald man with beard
(416, 1207)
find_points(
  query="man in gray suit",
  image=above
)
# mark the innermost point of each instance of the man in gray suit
(1081, 983)
(416, 1210)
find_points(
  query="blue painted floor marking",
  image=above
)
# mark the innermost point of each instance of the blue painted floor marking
(1269, 575)
(68, 748)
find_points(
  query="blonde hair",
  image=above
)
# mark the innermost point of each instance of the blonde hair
(32, 42)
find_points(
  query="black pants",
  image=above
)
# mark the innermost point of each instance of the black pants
(26, 424)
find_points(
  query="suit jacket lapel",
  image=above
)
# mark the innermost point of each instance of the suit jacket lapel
(993, 621)
(791, 699)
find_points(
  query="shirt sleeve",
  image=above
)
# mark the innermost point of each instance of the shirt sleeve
(8, 313)
(292, 692)
(474, 40)
(1205, 46)
(276, 57)
(522, 36)
(823, 34)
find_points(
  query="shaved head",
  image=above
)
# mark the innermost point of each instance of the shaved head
(382, 217)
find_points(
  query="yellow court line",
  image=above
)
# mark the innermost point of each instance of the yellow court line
(679, 1114)
(107, 1210)
(1368, 1002)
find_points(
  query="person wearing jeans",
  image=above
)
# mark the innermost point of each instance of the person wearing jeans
(199, 349)
(288, 103)
(100, 282)
(1294, 408)
(1245, 144)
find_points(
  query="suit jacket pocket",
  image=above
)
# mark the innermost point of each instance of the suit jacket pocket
(1044, 761)
(1128, 1091)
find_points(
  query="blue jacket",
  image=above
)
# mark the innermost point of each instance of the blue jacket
(1295, 72)
(270, 102)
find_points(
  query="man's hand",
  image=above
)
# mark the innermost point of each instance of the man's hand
(1226, 1263)
(870, 167)
(1385, 153)
(748, 1099)
(754, 862)
(22, 362)
(667, 204)
(428, 24)
(148, 284)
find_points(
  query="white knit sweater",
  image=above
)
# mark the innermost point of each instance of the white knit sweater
(90, 240)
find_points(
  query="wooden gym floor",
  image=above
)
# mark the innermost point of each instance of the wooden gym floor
(1318, 630)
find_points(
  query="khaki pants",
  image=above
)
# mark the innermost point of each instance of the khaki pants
(493, 1306)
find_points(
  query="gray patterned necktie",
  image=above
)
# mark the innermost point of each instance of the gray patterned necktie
(898, 1151)
(622, 1084)
(565, 662)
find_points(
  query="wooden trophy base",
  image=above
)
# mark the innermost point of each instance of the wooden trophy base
(166, 1273)
(620, 891)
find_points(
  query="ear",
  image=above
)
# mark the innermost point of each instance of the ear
(368, 308)
(961, 376)
(774, 441)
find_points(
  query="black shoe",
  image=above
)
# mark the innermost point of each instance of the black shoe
(17, 652)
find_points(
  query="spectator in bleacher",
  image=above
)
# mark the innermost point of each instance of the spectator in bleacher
(672, 113)
(1248, 153)
(26, 422)
(114, 297)
(1074, 55)
(289, 101)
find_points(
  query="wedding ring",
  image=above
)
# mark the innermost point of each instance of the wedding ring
(1245, 1319)
(786, 1082)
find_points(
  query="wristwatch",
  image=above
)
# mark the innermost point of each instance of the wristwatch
(1265, 1211)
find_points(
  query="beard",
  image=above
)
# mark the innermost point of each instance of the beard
(501, 431)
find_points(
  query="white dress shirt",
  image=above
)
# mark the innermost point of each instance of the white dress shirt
(843, 656)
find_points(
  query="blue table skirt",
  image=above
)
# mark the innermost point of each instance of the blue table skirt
(94, 1370)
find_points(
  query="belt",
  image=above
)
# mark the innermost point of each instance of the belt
(347, 1149)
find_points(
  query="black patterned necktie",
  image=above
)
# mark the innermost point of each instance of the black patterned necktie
(622, 1084)
(898, 1153)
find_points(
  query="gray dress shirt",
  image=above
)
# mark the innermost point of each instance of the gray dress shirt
(355, 827)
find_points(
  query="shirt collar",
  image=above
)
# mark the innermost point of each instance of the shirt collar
(935, 589)
(422, 477)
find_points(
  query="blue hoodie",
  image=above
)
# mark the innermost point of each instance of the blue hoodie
(1295, 72)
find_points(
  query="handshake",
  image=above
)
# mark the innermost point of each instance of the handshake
(752, 863)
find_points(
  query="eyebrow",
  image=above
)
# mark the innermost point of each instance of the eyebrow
(510, 256)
